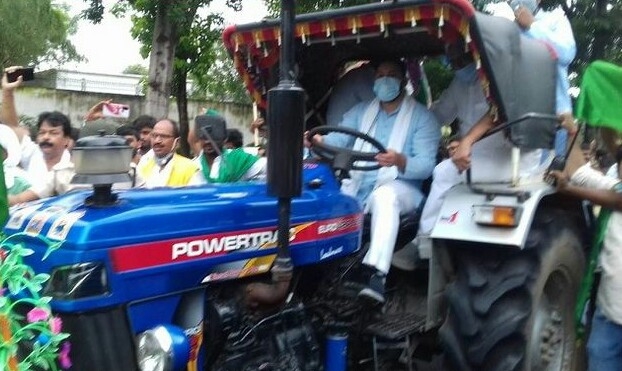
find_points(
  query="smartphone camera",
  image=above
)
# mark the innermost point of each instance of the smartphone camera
(116, 110)
(27, 74)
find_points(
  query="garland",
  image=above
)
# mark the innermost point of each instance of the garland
(40, 331)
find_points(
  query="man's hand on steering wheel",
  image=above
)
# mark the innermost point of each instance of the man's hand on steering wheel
(307, 141)
(392, 158)
(346, 159)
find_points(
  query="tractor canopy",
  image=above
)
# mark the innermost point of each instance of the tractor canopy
(517, 74)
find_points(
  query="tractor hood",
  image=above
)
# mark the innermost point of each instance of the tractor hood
(152, 242)
(516, 73)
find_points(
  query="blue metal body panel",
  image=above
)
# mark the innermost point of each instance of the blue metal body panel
(159, 217)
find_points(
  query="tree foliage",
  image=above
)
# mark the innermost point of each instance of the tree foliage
(35, 31)
(223, 83)
(597, 27)
(307, 6)
(136, 69)
(179, 37)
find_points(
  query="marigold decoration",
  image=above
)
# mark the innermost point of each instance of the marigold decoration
(40, 332)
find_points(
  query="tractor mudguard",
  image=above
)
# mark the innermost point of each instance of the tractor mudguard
(457, 218)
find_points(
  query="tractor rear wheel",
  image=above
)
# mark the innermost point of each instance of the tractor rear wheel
(513, 309)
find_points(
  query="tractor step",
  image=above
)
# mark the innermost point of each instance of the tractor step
(397, 325)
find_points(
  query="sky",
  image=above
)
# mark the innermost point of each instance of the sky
(109, 48)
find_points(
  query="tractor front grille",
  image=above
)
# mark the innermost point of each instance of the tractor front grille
(100, 341)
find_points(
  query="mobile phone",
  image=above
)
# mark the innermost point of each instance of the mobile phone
(27, 74)
(116, 110)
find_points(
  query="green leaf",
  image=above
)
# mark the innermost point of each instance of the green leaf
(14, 287)
(4, 301)
(45, 299)
(41, 278)
(62, 336)
(25, 252)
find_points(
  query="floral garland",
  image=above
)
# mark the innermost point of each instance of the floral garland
(40, 331)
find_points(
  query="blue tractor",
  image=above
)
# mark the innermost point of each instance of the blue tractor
(256, 276)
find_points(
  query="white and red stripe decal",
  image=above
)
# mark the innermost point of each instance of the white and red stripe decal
(159, 253)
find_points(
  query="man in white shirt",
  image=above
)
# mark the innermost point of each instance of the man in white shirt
(54, 130)
(603, 347)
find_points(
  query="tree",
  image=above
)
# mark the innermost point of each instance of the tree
(177, 41)
(223, 82)
(136, 69)
(159, 25)
(195, 56)
(35, 31)
(597, 27)
(307, 6)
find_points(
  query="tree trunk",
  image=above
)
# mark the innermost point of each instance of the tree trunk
(161, 63)
(179, 84)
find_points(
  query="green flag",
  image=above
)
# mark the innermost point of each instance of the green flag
(4, 202)
(234, 164)
(585, 291)
(601, 93)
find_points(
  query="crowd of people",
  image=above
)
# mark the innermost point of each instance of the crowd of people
(43, 167)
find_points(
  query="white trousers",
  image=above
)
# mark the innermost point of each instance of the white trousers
(445, 176)
(386, 203)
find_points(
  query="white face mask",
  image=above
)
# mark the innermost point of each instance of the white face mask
(162, 161)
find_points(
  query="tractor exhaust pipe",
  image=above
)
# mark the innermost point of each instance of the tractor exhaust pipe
(285, 115)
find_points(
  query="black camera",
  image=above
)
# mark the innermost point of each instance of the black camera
(27, 74)
(211, 126)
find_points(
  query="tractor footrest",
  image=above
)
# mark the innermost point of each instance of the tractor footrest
(396, 326)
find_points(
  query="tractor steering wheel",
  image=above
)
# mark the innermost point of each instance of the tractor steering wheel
(344, 159)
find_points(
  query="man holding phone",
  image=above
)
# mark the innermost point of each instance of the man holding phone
(32, 159)
(21, 73)
(47, 162)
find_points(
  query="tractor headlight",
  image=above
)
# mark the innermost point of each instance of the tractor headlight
(163, 348)
(77, 281)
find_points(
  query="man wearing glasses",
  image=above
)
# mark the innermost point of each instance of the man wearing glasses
(166, 168)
